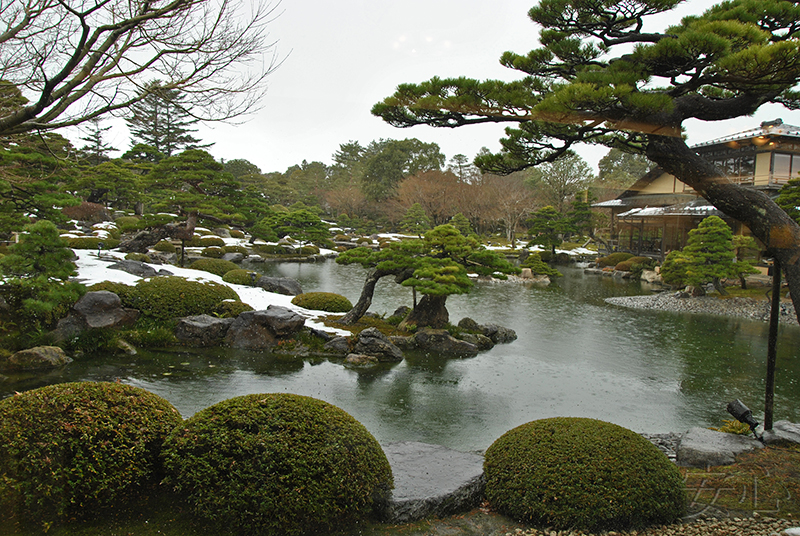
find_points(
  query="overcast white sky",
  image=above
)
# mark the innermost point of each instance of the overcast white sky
(342, 57)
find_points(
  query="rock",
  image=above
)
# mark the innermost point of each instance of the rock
(126, 347)
(782, 433)
(498, 334)
(233, 257)
(700, 447)
(137, 268)
(404, 343)
(441, 342)
(469, 324)
(651, 276)
(337, 345)
(526, 274)
(372, 342)
(478, 339)
(39, 357)
(280, 285)
(260, 329)
(361, 360)
(103, 309)
(221, 232)
(402, 311)
(202, 330)
(431, 480)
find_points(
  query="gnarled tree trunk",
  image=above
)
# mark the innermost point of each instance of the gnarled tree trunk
(365, 300)
(430, 312)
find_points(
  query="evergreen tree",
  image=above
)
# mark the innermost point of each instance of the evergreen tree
(415, 220)
(547, 227)
(96, 149)
(460, 222)
(36, 285)
(162, 121)
(538, 266)
(710, 255)
(789, 199)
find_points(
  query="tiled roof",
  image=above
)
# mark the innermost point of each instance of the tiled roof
(765, 130)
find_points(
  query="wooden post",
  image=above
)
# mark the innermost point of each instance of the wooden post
(772, 343)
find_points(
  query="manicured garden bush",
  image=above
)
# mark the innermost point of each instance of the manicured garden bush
(120, 289)
(214, 266)
(141, 257)
(165, 246)
(573, 473)
(70, 449)
(170, 297)
(127, 223)
(274, 249)
(627, 265)
(91, 242)
(309, 250)
(323, 301)
(240, 276)
(236, 233)
(237, 249)
(277, 464)
(215, 252)
(231, 309)
(613, 259)
(538, 266)
(211, 240)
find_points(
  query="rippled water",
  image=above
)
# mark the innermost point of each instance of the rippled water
(575, 356)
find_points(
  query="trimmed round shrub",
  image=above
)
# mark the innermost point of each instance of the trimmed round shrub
(214, 266)
(170, 297)
(237, 249)
(127, 223)
(165, 246)
(274, 249)
(323, 301)
(236, 233)
(231, 309)
(215, 252)
(625, 266)
(91, 242)
(240, 276)
(309, 250)
(141, 257)
(120, 289)
(613, 259)
(211, 240)
(580, 473)
(70, 449)
(278, 464)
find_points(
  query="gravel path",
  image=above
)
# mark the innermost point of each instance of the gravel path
(707, 527)
(750, 308)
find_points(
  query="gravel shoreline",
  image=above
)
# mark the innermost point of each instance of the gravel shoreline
(748, 308)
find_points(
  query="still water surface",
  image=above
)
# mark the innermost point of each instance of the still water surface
(575, 356)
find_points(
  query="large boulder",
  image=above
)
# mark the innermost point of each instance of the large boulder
(261, 329)
(202, 330)
(103, 309)
(498, 334)
(441, 342)
(137, 268)
(701, 447)
(37, 358)
(372, 342)
(338, 346)
(783, 433)
(280, 285)
(233, 257)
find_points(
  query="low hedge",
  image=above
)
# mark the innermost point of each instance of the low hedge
(323, 301)
(277, 464)
(626, 265)
(214, 266)
(170, 297)
(91, 242)
(71, 449)
(574, 473)
(613, 259)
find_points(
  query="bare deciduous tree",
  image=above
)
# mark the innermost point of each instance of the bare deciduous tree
(75, 60)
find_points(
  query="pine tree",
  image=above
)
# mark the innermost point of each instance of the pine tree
(710, 253)
(415, 220)
(460, 222)
(96, 149)
(162, 121)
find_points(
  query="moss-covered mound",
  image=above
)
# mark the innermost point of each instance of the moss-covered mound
(68, 450)
(277, 464)
(240, 276)
(582, 473)
(214, 266)
(613, 259)
(323, 301)
(164, 298)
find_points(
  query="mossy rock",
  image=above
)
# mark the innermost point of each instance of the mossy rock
(277, 464)
(309, 250)
(165, 246)
(240, 276)
(236, 233)
(211, 240)
(323, 301)
(237, 249)
(170, 297)
(214, 252)
(120, 289)
(613, 259)
(576, 473)
(214, 266)
(72, 449)
(140, 257)
(231, 309)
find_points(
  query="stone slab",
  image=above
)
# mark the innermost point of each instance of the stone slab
(782, 433)
(701, 447)
(431, 480)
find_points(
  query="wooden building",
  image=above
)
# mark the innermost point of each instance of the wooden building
(654, 216)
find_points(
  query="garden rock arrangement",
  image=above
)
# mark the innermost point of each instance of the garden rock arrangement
(37, 358)
(741, 307)
(701, 447)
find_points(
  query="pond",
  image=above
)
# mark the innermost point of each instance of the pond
(575, 356)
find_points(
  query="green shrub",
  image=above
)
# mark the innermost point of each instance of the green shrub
(231, 309)
(68, 450)
(120, 289)
(341, 238)
(236, 233)
(626, 265)
(214, 266)
(277, 464)
(214, 252)
(211, 240)
(613, 259)
(237, 249)
(127, 223)
(309, 250)
(91, 242)
(273, 249)
(165, 246)
(141, 257)
(174, 297)
(674, 271)
(538, 266)
(323, 301)
(240, 276)
(572, 473)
